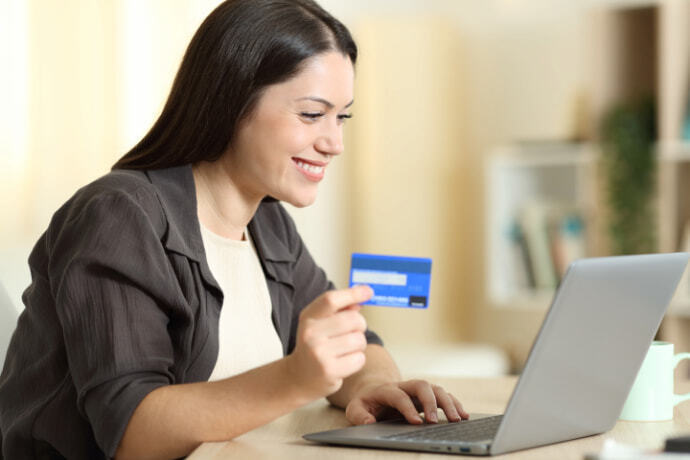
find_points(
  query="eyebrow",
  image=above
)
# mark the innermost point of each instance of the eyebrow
(328, 104)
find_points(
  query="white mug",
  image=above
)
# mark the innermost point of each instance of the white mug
(651, 397)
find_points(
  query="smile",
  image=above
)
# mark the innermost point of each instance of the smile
(312, 171)
(311, 168)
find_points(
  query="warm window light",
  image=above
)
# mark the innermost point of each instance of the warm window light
(152, 37)
(13, 82)
(135, 55)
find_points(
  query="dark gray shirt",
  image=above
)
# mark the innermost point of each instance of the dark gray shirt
(122, 302)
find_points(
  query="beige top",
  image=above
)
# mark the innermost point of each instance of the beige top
(246, 335)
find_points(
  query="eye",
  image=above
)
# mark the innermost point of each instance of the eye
(311, 116)
(344, 116)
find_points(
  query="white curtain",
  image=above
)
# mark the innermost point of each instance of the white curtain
(81, 82)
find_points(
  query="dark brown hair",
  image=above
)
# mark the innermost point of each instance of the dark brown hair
(242, 47)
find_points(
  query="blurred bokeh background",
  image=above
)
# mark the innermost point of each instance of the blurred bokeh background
(501, 138)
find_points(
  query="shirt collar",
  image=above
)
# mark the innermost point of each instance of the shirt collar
(175, 187)
(177, 194)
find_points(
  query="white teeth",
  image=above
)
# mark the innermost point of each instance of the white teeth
(311, 168)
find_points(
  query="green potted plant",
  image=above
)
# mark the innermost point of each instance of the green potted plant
(629, 166)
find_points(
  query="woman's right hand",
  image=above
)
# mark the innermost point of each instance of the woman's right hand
(330, 341)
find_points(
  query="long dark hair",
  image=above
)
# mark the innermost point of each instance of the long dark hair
(241, 47)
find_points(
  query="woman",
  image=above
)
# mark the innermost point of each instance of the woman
(123, 349)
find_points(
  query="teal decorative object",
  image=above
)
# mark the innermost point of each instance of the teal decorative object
(686, 123)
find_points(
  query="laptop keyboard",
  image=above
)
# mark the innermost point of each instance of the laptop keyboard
(469, 430)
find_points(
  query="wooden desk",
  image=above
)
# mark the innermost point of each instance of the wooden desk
(283, 438)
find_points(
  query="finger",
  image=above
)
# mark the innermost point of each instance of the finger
(346, 344)
(461, 410)
(349, 364)
(342, 322)
(447, 404)
(330, 302)
(357, 414)
(417, 404)
(421, 390)
(398, 399)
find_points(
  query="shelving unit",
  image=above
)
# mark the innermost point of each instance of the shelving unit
(635, 49)
(674, 212)
(517, 175)
(550, 176)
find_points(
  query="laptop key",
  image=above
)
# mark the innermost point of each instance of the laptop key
(469, 430)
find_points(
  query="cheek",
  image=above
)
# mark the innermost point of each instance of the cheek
(270, 139)
(293, 139)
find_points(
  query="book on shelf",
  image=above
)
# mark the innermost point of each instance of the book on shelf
(520, 269)
(686, 123)
(567, 240)
(544, 239)
(534, 219)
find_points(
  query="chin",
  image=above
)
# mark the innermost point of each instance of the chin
(301, 203)
(298, 195)
(300, 200)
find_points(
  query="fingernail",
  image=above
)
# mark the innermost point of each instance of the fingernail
(433, 417)
(419, 419)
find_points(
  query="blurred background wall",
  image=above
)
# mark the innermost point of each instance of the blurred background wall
(440, 85)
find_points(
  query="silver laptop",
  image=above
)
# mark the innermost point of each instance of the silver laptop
(579, 371)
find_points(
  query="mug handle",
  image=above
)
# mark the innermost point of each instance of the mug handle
(676, 360)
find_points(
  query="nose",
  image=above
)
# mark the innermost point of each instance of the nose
(330, 141)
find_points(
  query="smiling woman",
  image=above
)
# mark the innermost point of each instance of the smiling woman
(173, 301)
(283, 148)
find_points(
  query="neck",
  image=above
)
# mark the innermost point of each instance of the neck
(221, 205)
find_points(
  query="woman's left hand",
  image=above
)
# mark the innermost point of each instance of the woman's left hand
(408, 398)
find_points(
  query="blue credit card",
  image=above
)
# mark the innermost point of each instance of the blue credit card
(396, 281)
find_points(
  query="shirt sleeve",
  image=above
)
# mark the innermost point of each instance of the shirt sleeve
(310, 280)
(114, 290)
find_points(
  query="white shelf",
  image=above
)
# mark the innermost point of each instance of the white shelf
(542, 155)
(553, 176)
(673, 151)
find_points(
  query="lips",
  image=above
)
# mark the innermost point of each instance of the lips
(312, 170)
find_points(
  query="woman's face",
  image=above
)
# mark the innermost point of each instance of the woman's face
(283, 147)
